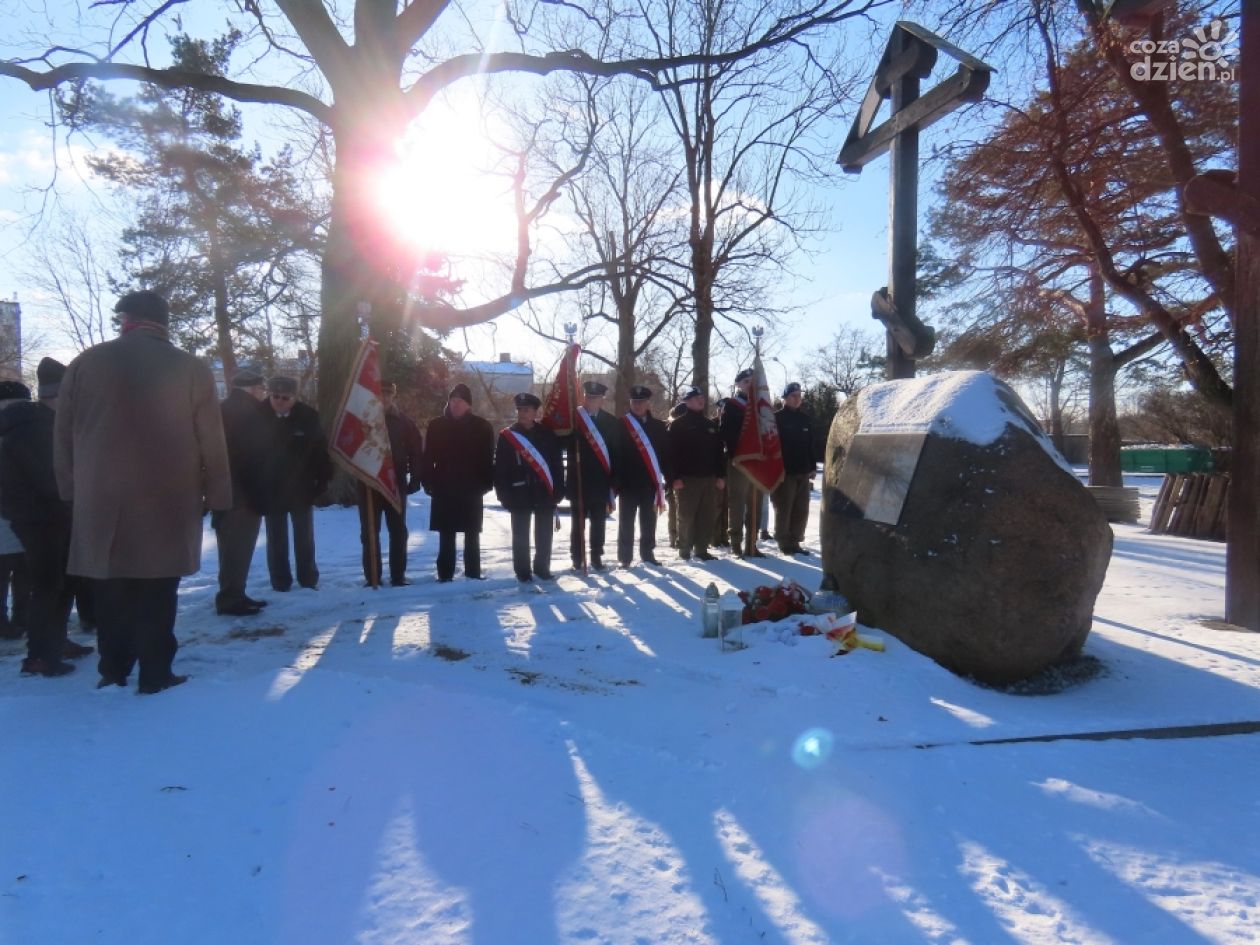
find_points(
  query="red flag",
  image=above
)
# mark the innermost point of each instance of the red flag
(360, 439)
(560, 409)
(759, 452)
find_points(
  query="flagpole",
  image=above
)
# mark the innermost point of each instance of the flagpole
(374, 541)
(570, 330)
(753, 530)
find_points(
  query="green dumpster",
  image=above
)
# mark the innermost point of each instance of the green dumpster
(1165, 459)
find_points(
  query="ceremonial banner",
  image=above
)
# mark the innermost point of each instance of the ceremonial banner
(759, 453)
(559, 411)
(360, 439)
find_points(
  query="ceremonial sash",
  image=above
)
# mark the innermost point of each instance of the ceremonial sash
(529, 452)
(647, 454)
(595, 440)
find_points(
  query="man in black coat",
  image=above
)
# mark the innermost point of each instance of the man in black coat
(697, 468)
(791, 498)
(594, 449)
(743, 499)
(406, 448)
(643, 474)
(236, 529)
(41, 520)
(298, 469)
(458, 470)
(529, 481)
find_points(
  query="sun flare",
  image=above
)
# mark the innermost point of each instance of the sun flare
(440, 195)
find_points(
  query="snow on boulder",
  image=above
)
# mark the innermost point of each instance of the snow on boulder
(950, 521)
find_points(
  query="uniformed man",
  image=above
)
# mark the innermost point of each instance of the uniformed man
(696, 465)
(529, 481)
(743, 498)
(791, 498)
(592, 464)
(643, 473)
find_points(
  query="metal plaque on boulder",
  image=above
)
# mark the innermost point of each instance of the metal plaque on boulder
(876, 475)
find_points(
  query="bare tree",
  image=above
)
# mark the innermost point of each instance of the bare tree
(368, 88)
(69, 267)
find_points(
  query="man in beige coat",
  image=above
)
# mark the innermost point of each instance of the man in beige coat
(139, 450)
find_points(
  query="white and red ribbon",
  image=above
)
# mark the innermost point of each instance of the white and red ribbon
(596, 441)
(644, 446)
(530, 454)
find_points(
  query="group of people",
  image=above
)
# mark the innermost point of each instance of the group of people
(104, 481)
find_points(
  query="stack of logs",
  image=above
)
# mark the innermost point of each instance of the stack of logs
(1192, 504)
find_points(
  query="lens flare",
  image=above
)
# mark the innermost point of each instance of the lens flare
(812, 747)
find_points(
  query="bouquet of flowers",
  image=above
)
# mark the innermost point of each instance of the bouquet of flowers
(774, 602)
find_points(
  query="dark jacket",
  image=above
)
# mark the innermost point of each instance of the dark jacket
(634, 473)
(406, 446)
(246, 432)
(596, 484)
(458, 469)
(731, 421)
(28, 485)
(298, 467)
(695, 447)
(518, 487)
(797, 439)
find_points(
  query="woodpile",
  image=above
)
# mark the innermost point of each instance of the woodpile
(1119, 503)
(1193, 505)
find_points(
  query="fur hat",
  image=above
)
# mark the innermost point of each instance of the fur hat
(146, 305)
(49, 373)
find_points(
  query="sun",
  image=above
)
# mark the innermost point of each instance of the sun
(439, 194)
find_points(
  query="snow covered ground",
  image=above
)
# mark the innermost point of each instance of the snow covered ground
(474, 763)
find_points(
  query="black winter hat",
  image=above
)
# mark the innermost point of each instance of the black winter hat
(146, 305)
(461, 392)
(793, 388)
(247, 377)
(14, 390)
(526, 400)
(49, 372)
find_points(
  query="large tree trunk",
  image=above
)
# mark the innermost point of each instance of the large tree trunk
(1104, 426)
(625, 354)
(223, 320)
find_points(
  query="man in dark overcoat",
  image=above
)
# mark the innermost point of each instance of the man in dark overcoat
(594, 448)
(458, 472)
(406, 448)
(298, 469)
(236, 529)
(529, 481)
(140, 455)
(41, 521)
(743, 499)
(697, 465)
(791, 498)
(643, 476)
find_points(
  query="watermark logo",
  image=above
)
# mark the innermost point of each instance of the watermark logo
(1208, 54)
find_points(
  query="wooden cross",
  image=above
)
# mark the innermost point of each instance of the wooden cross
(909, 57)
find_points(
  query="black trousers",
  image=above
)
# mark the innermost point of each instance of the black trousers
(446, 555)
(303, 548)
(395, 524)
(541, 521)
(47, 547)
(136, 623)
(636, 505)
(597, 514)
(236, 534)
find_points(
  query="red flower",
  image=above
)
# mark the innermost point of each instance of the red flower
(761, 613)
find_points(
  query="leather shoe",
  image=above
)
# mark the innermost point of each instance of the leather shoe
(242, 609)
(72, 651)
(705, 556)
(41, 667)
(651, 559)
(107, 681)
(253, 601)
(401, 582)
(169, 683)
(544, 575)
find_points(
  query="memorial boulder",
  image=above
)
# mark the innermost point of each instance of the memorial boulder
(950, 521)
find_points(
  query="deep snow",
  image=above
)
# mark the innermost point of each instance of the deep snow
(474, 763)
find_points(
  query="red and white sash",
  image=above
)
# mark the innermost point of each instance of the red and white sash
(595, 440)
(647, 454)
(529, 452)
